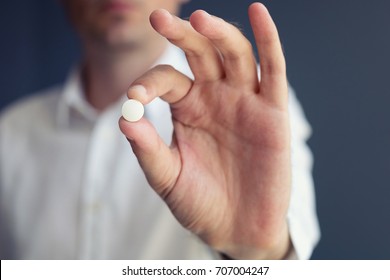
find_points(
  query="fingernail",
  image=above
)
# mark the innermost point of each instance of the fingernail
(165, 12)
(139, 89)
(206, 13)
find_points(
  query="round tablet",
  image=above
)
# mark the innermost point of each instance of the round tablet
(132, 110)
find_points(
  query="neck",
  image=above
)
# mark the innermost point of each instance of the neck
(107, 74)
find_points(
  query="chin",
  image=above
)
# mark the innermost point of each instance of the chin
(121, 31)
(122, 41)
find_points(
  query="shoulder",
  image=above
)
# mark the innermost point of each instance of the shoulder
(34, 109)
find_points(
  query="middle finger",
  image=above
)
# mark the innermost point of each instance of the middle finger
(204, 59)
(238, 58)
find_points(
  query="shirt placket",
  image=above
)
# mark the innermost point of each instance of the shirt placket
(96, 178)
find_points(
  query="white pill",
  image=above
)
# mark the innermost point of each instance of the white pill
(132, 110)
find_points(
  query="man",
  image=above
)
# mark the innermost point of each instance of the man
(70, 188)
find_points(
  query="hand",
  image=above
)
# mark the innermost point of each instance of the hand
(227, 175)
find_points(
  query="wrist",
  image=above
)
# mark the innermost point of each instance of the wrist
(277, 247)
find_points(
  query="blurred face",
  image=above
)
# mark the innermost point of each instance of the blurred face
(116, 23)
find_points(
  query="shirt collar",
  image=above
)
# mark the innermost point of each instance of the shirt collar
(73, 103)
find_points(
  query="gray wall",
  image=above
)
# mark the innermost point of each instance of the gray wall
(338, 62)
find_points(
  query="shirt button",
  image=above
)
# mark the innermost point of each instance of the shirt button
(95, 206)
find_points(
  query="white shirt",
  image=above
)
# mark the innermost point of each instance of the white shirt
(72, 189)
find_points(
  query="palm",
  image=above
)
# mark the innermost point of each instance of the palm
(239, 155)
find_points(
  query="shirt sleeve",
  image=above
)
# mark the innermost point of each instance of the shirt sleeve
(6, 241)
(302, 216)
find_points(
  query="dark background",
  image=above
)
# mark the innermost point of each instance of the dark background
(338, 62)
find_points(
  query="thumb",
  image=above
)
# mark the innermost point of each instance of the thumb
(160, 163)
